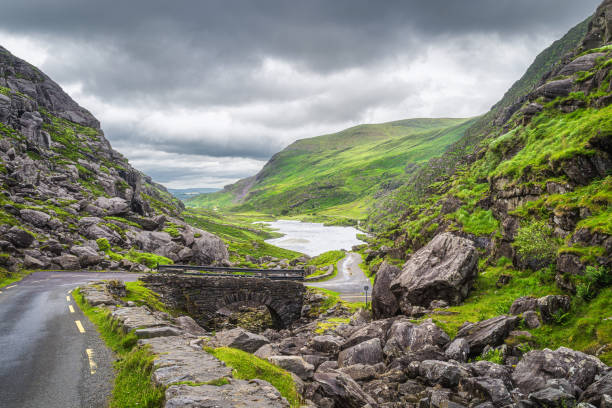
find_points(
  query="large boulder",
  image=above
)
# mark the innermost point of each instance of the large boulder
(113, 206)
(447, 374)
(342, 389)
(404, 336)
(539, 366)
(293, 364)
(442, 270)
(384, 302)
(68, 262)
(491, 332)
(369, 352)
(87, 256)
(489, 389)
(458, 350)
(326, 344)
(376, 329)
(240, 339)
(19, 237)
(37, 218)
(208, 248)
(523, 304)
(553, 306)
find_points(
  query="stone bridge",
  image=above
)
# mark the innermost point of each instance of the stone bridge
(204, 296)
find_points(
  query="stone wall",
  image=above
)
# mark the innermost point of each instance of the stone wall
(203, 296)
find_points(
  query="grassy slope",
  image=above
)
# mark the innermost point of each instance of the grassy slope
(526, 155)
(338, 174)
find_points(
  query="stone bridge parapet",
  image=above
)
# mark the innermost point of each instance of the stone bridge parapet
(203, 296)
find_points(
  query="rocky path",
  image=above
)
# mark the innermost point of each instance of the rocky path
(350, 280)
(51, 355)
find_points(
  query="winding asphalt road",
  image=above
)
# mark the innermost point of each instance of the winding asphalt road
(50, 354)
(350, 280)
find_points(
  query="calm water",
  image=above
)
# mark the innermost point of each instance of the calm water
(313, 238)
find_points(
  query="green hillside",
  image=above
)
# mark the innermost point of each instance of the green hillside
(339, 174)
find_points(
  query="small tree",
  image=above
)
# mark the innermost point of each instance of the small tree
(535, 244)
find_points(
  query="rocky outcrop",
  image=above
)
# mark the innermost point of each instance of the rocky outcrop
(442, 270)
(63, 182)
(539, 366)
(240, 339)
(384, 302)
(490, 332)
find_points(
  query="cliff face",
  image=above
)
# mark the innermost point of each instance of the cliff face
(63, 186)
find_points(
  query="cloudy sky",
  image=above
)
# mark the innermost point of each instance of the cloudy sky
(200, 93)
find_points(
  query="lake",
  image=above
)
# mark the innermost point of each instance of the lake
(312, 238)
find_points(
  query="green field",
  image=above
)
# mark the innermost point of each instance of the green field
(338, 175)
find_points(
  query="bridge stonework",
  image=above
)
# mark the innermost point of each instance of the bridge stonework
(203, 296)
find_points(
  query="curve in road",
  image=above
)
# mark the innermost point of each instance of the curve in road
(350, 280)
(47, 359)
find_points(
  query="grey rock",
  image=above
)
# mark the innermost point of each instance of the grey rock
(369, 352)
(491, 370)
(443, 269)
(37, 218)
(554, 89)
(190, 326)
(553, 398)
(327, 366)
(178, 359)
(553, 305)
(459, 350)
(327, 344)
(404, 336)
(32, 263)
(523, 304)
(19, 237)
(376, 329)
(360, 372)
(294, 364)
(132, 318)
(267, 350)
(96, 295)
(360, 318)
(162, 331)
(584, 63)
(343, 390)
(491, 332)
(384, 302)
(87, 256)
(531, 319)
(594, 393)
(539, 366)
(447, 374)
(208, 249)
(239, 393)
(240, 339)
(112, 206)
(489, 389)
(68, 262)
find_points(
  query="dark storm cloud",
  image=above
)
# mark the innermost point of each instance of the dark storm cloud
(243, 79)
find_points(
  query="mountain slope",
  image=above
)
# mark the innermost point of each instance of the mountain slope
(67, 199)
(338, 174)
(532, 189)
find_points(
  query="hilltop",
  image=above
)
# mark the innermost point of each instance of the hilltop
(340, 174)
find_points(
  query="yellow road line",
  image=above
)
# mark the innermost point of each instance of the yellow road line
(68, 298)
(92, 364)
(79, 326)
(12, 286)
(71, 308)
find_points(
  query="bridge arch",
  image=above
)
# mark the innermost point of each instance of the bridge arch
(203, 296)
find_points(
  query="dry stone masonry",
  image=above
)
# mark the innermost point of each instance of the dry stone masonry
(202, 296)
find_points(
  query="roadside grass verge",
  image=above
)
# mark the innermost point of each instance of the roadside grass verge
(141, 295)
(324, 260)
(133, 386)
(7, 278)
(246, 366)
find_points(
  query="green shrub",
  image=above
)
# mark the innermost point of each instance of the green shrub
(494, 356)
(535, 244)
(103, 244)
(594, 279)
